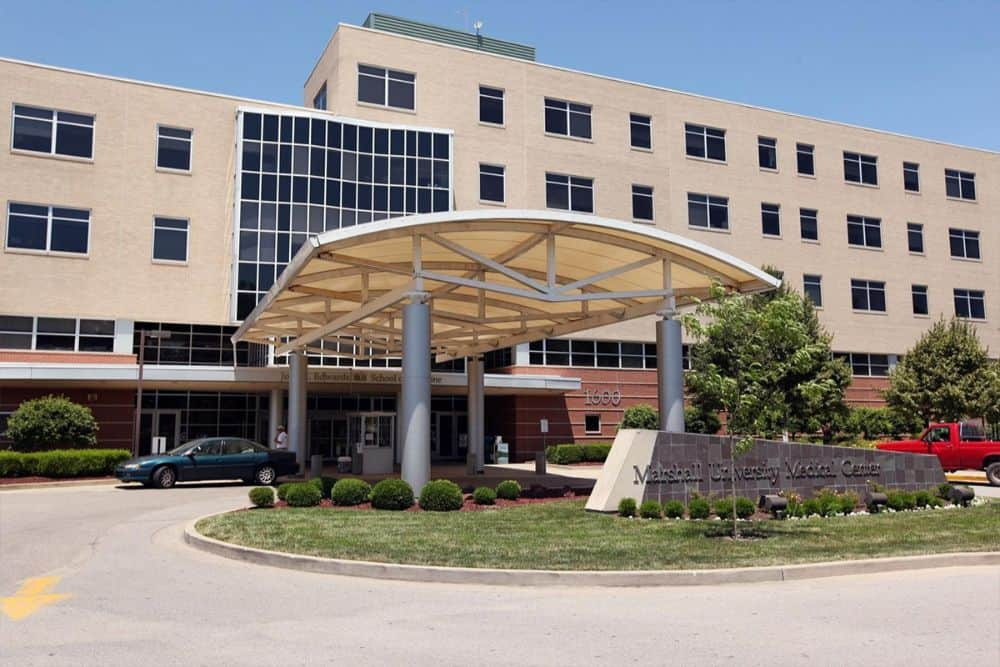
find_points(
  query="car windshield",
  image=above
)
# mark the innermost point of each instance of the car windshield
(183, 449)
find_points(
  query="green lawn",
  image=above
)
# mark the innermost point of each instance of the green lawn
(562, 536)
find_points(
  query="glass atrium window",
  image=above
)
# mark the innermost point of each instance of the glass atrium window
(490, 105)
(173, 148)
(386, 87)
(53, 132)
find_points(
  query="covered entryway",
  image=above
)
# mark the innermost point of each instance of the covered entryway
(464, 283)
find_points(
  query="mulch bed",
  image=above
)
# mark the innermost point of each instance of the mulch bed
(11, 481)
(469, 504)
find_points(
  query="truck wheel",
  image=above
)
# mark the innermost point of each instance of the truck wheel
(993, 473)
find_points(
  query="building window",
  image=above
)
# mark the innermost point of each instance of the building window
(919, 293)
(911, 177)
(860, 168)
(970, 304)
(964, 243)
(491, 183)
(592, 423)
(865, 365)
(173, 148)
(53, 132)
(319, 101)
(770, 219)
(864, 231)
(640, 130)
(490, 105)
(707, 211)
(569, 193)
(170, 239)
(809, 224)
(48, 228)
(196, 345)
(868, 295)
(804, 159)
(56, 334)
(567, 118)
(591, 353)
(642, 202)
(915, 237)
(706, 142)
(767, 152)
(813, 287)
(386, 87)
(960, 184)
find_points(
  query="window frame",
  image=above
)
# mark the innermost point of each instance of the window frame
(914, 169)
(54, 139)
(555, 101)
(961, 177)
(650, 195)
(187, 239)
(920, 292)
(799, 152)
(503, 105)
(503, 184)
(814, 280)
(969, 296)
(50, 208)
(862, 159)
(190, 141)
(918, 229)
(76, 335)
(708, 203)
(869, 286)
(804, 214)
(632, 122)
(855, 360)
(966, 236)
(385, 90)
(590, 431)
(767, 209)
(569, 192)
(865, 223)
(703, 131)
(762, 147)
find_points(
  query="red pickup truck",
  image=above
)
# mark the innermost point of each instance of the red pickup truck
(959, 446)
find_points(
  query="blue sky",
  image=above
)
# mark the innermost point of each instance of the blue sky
(929, 69)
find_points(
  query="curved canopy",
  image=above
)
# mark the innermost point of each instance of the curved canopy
(493, 279)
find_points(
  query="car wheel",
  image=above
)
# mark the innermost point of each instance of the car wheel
(164, 477)
(265, 475)
(993, 473)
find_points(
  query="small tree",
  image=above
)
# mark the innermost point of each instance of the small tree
(946, 376)
(51, 422)
(640, 415)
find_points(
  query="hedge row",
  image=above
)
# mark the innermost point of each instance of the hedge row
(567, 454)
(62, 462)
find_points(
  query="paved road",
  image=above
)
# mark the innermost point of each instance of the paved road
(139, 595)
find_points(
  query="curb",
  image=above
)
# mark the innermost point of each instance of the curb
(617, 578)
(64, 483)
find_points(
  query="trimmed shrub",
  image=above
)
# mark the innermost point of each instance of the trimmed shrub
(744, 507)
(392, 494)
(325, 484)
(51, 422)
(828, 503)
(62, 462)
(318, 483)
(484, 495)
(698, 508)
(901, 500)
(441, 495)
(564, 454)
(650, 509)
(509, 490)
(674, 509)
(596, 452)
(262, 496)
(723, 508)
(811, 506)
(626, 507)
(350, 491)
(303, 494)
(848, 502)
(923, 498)
(640, 416)
(283, 489)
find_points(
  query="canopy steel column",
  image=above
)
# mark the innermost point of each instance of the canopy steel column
(297, 376)
(476, 410)
(275, 415)
(670, 374)
(415, 400)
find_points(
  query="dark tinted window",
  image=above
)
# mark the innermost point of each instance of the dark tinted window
(491, 105)
(813, 287)
(54, 132)
(640, 129)
(770, 219)
(491, 182)
(173, 149)
(861, 168)
(707, 211)
(960, 184)
(804, 159)
(572, 193)
(642, 202)
(964, 243)
(863, 231)
(970, 304)
(170, 237)
(767, 152)
(915, 237)
(920, 306)
(706, 142)
(568, 118)
(911, 176)
(808, 224)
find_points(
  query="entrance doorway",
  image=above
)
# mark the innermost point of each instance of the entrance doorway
(449, 435)
(164, 424)
(333, 435)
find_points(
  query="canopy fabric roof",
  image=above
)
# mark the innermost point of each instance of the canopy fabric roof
(492, 279)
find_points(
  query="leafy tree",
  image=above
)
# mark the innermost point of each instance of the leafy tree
(640, 415)
(697, 420)
(51, 422)
(946, 376)
(764, 362)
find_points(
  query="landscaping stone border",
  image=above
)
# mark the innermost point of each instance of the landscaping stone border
(615, 578)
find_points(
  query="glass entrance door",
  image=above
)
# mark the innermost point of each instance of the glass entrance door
(164, 424)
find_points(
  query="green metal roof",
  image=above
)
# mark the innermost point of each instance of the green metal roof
(436, 33)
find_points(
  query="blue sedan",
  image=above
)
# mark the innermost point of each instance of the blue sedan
(210, 458)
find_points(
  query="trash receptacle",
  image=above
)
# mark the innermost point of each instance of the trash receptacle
(343, 464)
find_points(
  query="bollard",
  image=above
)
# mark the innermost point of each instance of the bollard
(540, 463)
(316, 465)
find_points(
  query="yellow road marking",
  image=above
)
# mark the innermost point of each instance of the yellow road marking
(32, 596)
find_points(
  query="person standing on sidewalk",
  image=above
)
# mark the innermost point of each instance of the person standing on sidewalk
(281, 440)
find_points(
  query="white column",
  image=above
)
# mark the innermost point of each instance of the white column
(476, 409)
(296, 427)
(275, 415)
(415, 398)
(670, 375)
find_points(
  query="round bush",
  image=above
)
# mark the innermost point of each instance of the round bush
(901, 500)
(262, 496)
(641, 416)
(723, 508)
(441, 495)
(484, 495)
(303, 494)
(811, 506)
(626, 507)
(674, 509)
(698, 508)
(923, 498)
(509, 490)
(650, 509)
(744, 507)
(51, 422)
(350, 491)
(283, 489)
(849, 502)
(392, 494)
